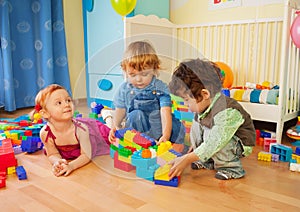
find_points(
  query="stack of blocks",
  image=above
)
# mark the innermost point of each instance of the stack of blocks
(181, 112)
(18, 135)
(295, 160)
(280, 152)
(7, 155)
(263, 137)
(136, 151)
(267, 156)
(277, 152)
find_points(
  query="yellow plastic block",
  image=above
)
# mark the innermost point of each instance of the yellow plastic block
(163, 147)
(11, 170)
(125, 143)
(124, 159)
(296, 157)
(162, 173)
(264, 156)
(129, 135)
(167, 156)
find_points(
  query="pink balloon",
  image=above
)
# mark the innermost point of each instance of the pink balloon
(295, 31)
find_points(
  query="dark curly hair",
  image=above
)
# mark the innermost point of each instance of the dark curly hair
(195, 75)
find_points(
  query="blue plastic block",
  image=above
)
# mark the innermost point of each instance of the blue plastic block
(284, 152)
(31, 144)
(178, 154)
(21, 173)
(120, 133)
(187, 115)
(112, 153)
(79, 115)
(174, 182)
(144, 173)
(138, 161)
(177, 114)
(97, 109)
(297, 151)
(226, 92)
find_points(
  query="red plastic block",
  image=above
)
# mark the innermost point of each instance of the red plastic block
(142, 141)
(121, 164)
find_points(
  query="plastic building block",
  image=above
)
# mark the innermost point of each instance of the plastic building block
(31, 144)
(7, 156)
(11, 170)
(173, 182)
(284, 152)
(275, 157)
(162, 173)
(21, 173)
(141, 140)
(17, 149)
(264, 156)
(147, 173)
(138, 161)
(296, 158)
(122, 165)
(267, 156)
(112, 152)
(164, 147)
(120, 133)
(267, 142)
(2, 181)
(135, 150)
(124, 159)
(97, 108)
(295, 167)
(93, 115)
(297, 151)
(267, 134)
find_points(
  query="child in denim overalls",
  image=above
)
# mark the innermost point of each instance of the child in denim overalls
(143, 100)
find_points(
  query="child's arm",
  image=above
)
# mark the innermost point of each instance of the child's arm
(52, 153)
(180, 163)
(82, 160)
(119, 115)
(166, 121)
(85, 152)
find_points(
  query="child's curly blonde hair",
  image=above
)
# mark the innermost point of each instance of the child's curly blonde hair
(140, 55)
(42, 96)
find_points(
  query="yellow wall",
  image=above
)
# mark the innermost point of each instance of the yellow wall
(196, 11)
(75, 46)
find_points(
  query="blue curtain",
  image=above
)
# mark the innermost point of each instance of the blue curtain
(33, 50)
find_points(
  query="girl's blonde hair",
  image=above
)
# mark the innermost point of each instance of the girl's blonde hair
(41, 97)
(140, 55)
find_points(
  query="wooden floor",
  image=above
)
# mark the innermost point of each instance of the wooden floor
(267, 186)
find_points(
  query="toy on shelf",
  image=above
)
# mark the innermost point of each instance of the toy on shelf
(264, 138)
(294, 133)
(136, 151)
